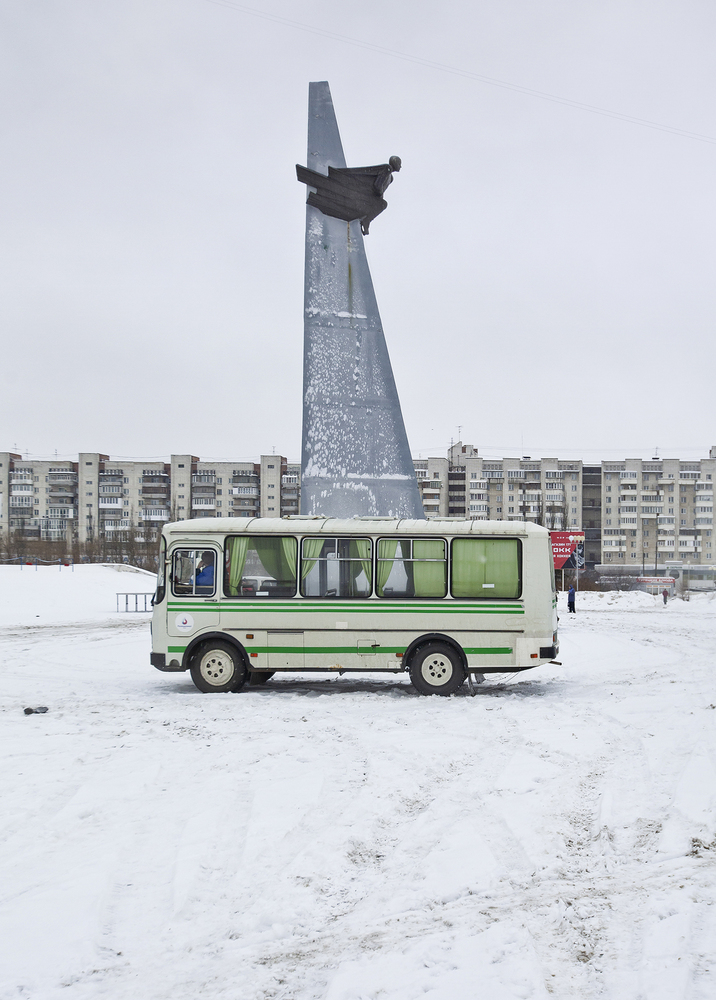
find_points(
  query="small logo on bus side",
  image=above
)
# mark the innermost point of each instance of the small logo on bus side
(184, 623)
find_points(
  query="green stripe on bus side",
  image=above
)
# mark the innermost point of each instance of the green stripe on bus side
(333, 650)
(428, 603)
(351, 609)
(468, 650)
(486, 650)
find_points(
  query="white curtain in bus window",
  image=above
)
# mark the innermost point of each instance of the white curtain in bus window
(194, 572)
(336, 567)
(411, 567)
(260, 566)
(486, 567)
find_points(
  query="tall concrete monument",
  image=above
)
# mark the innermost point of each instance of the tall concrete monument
(355, 455)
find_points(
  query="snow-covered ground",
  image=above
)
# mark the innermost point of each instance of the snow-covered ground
(344, 838)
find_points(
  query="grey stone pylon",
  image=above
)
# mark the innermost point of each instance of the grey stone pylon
(355, 456)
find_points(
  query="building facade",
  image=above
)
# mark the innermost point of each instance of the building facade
(657, 515)
(99, 497)
(639, 517)
(545, 491)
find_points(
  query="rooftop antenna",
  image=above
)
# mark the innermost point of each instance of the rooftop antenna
(459, 432)
(656, 455)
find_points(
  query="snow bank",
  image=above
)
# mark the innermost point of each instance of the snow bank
(632, 600)
(30, 596)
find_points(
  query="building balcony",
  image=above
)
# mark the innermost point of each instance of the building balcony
(154, 514)
(110, 501)
(202, 478)
(203, 503)
(244, 491)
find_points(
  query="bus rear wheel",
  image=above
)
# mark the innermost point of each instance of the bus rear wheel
(217, 667)
(436, 669)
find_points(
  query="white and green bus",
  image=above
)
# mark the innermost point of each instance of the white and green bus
(241, 600)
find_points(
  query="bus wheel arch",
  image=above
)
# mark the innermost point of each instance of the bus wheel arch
(217, 663)
(437, 664)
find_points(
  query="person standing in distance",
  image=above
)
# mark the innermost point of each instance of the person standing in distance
(665, 595)
(570, 601)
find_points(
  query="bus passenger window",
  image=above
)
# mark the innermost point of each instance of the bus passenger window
(411, 567)
(336, 567)
(260, 566)
(486, 568)
(193, 572)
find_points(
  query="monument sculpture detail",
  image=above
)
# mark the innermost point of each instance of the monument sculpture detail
(355, 455)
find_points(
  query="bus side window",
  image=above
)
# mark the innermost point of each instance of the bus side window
(411, 567)
(194, 572)
(488, 568)
(336, 567)
(260, 566)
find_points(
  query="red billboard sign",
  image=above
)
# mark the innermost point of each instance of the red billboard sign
(567, 548)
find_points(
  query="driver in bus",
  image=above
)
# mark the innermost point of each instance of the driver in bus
(205, 570)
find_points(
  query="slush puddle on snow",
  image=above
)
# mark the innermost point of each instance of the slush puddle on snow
(345, 838)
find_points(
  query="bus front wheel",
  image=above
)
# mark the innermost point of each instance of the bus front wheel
(436, 669)
(217, 667)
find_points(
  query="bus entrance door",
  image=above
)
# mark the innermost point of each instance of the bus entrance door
(285, 649)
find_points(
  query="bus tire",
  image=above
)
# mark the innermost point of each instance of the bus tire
(435, 668)
(259, 676)
(217, 667)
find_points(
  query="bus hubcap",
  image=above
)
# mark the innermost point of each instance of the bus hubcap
(216, 667)
(437, 670)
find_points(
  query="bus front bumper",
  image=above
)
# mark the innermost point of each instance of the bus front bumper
(159, 660)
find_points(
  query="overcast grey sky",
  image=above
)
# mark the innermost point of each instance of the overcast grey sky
(545, 274)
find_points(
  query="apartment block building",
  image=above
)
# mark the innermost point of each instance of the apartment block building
(546, 490)
(657, 515)
(99, 497)
(639, 517)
